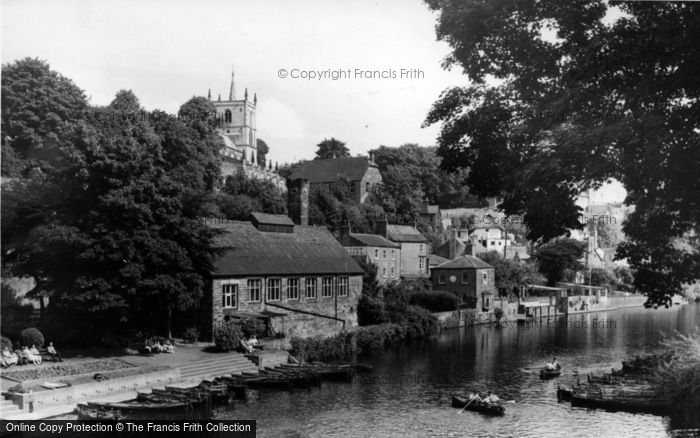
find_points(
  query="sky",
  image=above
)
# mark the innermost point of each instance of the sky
(167, 51)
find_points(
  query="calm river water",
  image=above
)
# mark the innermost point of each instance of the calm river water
(407, 394)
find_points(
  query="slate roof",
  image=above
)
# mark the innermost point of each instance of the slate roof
(434, 260)
(429, 209)
(404, 233)
(464, 262)
(308, 250)
(444, 250)
(373, 240)
(329, 170)
(272, 219)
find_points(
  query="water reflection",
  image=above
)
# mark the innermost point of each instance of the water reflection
(408, 393)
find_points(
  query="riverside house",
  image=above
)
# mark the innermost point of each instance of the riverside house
(375, 249)
(470, 278)
(414, 248)
(361, 172)
(296, 277)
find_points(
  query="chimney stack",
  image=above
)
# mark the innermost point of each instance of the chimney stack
(298, 200)
(345, 231)
(452, 246)
(382, 228)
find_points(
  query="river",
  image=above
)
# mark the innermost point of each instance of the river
(407, 394)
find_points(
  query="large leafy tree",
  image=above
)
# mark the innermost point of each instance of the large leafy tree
(263, 150)
(557, 256)
(578, 100)
(511, 274)
(331, 148)
(411, 175)
(40, 112)
(109, 235)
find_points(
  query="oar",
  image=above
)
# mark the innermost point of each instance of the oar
(465, 406)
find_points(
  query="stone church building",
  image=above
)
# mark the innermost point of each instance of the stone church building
(237, 126)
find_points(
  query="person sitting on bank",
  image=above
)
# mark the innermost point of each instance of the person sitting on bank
(36, 355)
(247, 348)
(253, 342)
(492, 398)
(53, 353)
(158, 347)
(28, 357)
(169, 347)
(9, 358)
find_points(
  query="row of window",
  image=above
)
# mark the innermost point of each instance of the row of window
(273, 289)
(376, 254)
(465, 278)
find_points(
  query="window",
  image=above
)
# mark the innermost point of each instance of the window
(493, 243)
(229, 294)
(465, 278)
(254, 287)
(326, 287)
(421, 263)
(292, 288)
(500, 243)
(384, 271)
(392, 272)
(485, 277)
(342, 286)
(441, 278)
(384, 254)
(376, 253)
(273, 289)
(227, 116)
(310, 288)
(393, 254)
(367, 187)
(421, 248)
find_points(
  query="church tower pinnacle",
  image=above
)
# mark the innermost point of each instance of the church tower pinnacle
(232, 92)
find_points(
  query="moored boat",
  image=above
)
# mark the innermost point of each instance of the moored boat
(619, 398)
(136, 406)
(462, 401)
(564, 393)
(85, 412)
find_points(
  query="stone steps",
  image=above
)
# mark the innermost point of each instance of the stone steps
(8, 409)
(232, 363)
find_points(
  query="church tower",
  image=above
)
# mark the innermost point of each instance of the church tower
(236, 121)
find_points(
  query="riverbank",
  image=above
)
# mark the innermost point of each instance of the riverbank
(187, 365)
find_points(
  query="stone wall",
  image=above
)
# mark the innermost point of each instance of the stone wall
(411, 254)
(294, 323)
(35, 401)
(232, 167)
(372, 176)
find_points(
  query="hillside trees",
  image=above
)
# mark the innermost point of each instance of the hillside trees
(581, 97)
(109, 232)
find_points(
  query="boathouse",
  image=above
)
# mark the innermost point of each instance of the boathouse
(298, 278)
(470, 278)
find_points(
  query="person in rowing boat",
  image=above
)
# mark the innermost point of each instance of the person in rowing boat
(474, 398)
(555, 364)
(492, 398)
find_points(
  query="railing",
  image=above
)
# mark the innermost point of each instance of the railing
(306, 312)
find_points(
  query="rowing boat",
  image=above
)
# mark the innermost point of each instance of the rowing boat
(546, 374)
(85, 412)
(462, 401)
(135, 406)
